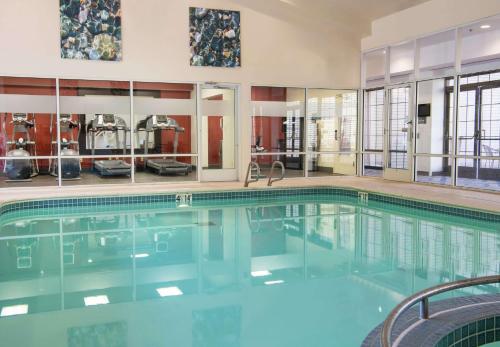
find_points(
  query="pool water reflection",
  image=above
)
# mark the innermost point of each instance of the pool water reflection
(264, 273)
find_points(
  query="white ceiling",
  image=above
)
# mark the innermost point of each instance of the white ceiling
(354, 16)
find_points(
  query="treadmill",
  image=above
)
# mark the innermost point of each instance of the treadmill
(104, 123)
(163, 166)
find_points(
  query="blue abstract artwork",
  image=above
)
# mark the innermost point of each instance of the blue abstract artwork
(91, 29)
(214, 37)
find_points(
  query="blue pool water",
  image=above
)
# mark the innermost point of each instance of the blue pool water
(301, 271)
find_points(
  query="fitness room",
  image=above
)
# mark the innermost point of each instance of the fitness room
(240, 173)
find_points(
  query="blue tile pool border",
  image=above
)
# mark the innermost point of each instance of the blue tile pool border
(477, 333)
(274, 193)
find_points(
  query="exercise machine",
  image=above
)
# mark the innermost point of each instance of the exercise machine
(21, 168)
(70, 167)
(164, 165)
(103, 123)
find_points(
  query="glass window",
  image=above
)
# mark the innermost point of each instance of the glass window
(165, 128)
(332, 120)
(434, 119)
(481, 45)
(103, 131)
(402, 62)
(374, 68)
(431, 169)
(97, 170)
(374, 121)
(153, 169)
(329, 164)
(165, 118)
(437, 55)
(398, 128)
(218, 124)
(293, 163)
(373, 132)
(483, 174)
(478, 143)
(278, 119)
(28, 135)
(373, 164)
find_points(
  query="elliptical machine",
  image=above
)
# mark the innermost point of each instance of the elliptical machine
(21, 168)
(70, 167)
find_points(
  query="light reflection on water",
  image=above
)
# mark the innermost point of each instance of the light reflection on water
(227, 276)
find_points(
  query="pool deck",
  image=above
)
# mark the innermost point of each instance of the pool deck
(452, 196)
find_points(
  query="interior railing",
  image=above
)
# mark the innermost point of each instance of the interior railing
(271, 180)
(252, 165)
(422, 298)
(252, 178)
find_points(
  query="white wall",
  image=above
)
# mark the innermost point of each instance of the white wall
(430, 136)
(429, 17)
(156, 48)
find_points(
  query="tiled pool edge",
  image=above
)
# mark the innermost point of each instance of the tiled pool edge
(199, 196)
(447, 316)
(476, 333)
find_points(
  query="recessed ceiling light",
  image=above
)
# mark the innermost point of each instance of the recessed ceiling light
(289, 2)
(261, 273)
(140, 255)
(169, 291)
(270, 283)
(485, 26)
(14, 310)
(96, 300)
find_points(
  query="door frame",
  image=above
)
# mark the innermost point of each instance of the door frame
(218, 175)
(403, 175)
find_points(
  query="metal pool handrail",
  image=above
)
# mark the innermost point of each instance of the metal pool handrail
(249, 169)
(271, 180)
(422, 297)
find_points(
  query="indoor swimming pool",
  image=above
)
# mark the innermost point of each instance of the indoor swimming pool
(303, 267)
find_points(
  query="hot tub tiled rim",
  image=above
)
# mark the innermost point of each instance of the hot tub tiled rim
(252, 193)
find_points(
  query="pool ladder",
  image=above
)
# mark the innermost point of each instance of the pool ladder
(253, 170)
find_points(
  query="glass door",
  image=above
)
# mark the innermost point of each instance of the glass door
(488, 134)
(399, 133)
(218, 123)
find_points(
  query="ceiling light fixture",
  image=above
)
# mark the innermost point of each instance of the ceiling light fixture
(14, 310)
(96, 300)
(270, 283)
(261, 273)
(169, 291)
(140, 255)
(289, 2)
(485, 26)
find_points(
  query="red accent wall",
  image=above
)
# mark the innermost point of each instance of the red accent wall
(269, 129)
(215, 136)
(268, 94)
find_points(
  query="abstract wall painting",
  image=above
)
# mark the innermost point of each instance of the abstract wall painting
(214, 37)
(91, 29)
